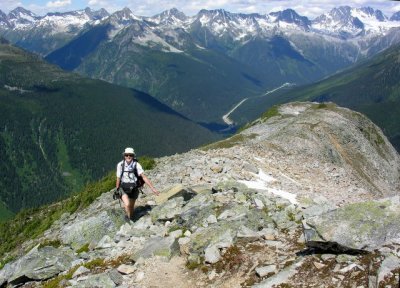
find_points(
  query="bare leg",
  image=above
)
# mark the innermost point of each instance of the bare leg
(129, 205)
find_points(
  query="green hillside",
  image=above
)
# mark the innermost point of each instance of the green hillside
(371, 87)
(59, 130)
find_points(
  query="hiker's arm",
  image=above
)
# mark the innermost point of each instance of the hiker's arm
(119, 174)
(117, 183)
(147, 181)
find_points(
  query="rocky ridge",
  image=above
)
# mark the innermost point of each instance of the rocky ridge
(308, 195)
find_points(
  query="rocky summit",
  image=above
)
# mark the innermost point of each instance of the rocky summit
(306, 196)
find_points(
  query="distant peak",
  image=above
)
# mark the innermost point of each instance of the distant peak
(291, 16)
(173, 12)
(126, 10)
(374, 13)
(21, 10)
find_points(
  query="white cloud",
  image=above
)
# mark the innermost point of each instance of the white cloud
(58, 3)
(7, 5)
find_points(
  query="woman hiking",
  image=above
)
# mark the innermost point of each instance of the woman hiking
(129, 172)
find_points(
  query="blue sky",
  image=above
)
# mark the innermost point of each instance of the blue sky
(309, 8)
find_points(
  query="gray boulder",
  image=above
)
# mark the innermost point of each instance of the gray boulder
(158, 246)
(38, 264)
(357, 226)
(92, 229)
(108, 279)
(168, 210)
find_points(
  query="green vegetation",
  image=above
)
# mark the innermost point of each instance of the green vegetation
(84, 248)
(147, 162)
(56, 282)
(97, 265)
(229, 142)
(54, 243)
(59, 131)
(5, 214)
(72, 176)
(271, 112)
(31, 223)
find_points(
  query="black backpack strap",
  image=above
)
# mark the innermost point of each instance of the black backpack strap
(135, 168)
(139, 185)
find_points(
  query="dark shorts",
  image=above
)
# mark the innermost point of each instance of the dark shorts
(132, 194)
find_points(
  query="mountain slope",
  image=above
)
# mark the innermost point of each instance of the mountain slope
(59, 130)
(371, 87)
(247, 202)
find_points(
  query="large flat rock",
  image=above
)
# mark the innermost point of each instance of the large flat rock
(358, 226)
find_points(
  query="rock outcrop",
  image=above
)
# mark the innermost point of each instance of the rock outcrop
(307, 197)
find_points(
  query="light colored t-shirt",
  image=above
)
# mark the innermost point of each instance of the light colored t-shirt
(129, 175)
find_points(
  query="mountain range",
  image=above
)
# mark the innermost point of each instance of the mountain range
(202, 65)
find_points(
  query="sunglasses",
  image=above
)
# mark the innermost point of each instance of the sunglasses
(128, 155)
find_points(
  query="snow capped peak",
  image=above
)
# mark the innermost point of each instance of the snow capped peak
(290, 16)
(346, 22)
(123, 16)
(87, 14)
(371, 13)
(4, 20)
(172, 17)
(97, 15)
(21, 18)
(342, 12)
(66, 22)
(174, 13)
(339, 22)
(21, 12)
(124, 19)
(218, 15)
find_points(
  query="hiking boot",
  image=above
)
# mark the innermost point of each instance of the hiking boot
(126, 219)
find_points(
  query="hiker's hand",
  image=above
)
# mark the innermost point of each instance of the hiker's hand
(156, 192)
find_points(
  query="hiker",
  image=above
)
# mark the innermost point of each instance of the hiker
(127, 180)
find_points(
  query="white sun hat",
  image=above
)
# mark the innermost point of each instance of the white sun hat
(129, 150)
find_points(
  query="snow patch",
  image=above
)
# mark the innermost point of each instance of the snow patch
(10, 88)
(150, 39)
(262, 184)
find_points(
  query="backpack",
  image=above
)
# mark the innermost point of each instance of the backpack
(139, 179)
